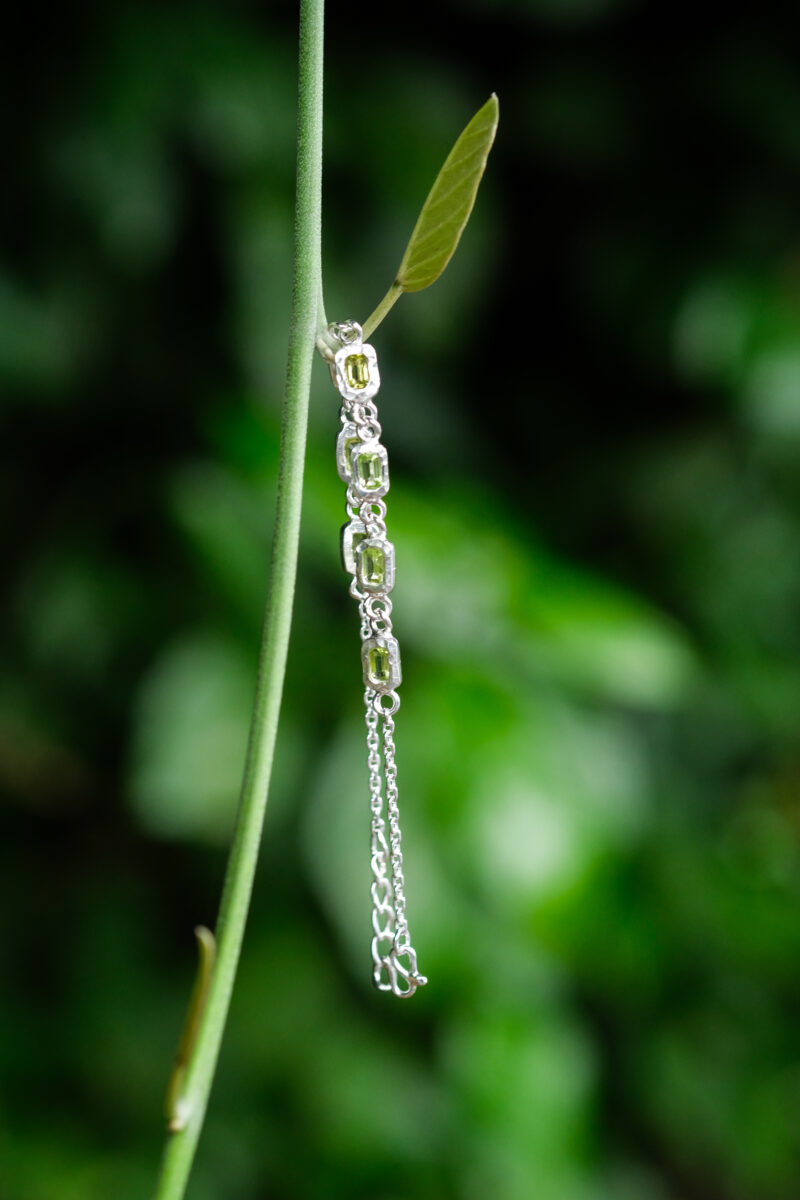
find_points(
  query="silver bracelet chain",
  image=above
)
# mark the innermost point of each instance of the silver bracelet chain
(368, 557)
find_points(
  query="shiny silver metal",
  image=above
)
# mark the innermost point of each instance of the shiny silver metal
(369, 469)
(348, 436)
(375, 565)
(380, 658)
(352, 533)
(360, 385)
(393, 957)
(346, 333)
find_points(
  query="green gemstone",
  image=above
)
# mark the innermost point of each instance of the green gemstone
(350, 540)
(355, 539)
(348, 446)
(380, 668)
(373, 565)
(356, 371)
(369, 468)
(381, 661)
(346, 441)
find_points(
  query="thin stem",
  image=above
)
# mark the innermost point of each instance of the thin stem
(389, 300)
(180, 1147)
(322, 320)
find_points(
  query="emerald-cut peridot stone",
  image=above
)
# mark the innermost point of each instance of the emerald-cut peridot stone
(374, 560)
(347, 439)
(354, 541)
(346, 453)
(379, 666)
(356, 371)
(373, 565)
(353, 533)
(369, 468)
(381, 658)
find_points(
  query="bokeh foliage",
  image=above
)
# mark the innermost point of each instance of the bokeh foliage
(594, 426)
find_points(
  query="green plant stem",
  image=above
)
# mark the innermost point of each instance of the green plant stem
(389, 300)
(181, 1144)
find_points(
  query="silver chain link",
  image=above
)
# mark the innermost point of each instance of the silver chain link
(383, 913)
(395, 837)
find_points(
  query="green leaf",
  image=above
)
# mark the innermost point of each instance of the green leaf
(445, 212)
(449, 204)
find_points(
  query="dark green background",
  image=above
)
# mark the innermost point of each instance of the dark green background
(594, 427)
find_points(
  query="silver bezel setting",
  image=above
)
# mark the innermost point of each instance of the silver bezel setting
(395, 674)
(348, 433)
(375, 543)
(370, 389)
(371, 447)
(349, 531)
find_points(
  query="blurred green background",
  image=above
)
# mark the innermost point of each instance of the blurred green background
(594, 427)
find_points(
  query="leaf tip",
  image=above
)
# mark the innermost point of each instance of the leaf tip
(492, 106)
